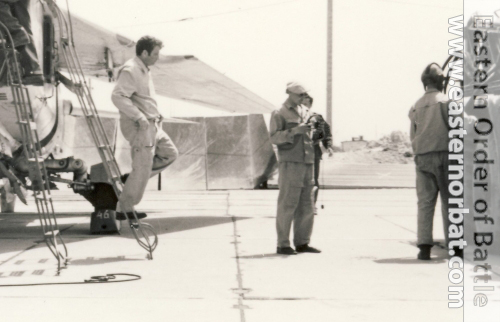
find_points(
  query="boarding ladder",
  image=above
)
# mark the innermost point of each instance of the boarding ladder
(143, 232)
(32, 151)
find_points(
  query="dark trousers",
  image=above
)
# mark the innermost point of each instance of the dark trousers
(15, 16)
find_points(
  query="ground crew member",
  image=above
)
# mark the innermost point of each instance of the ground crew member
(429, 139)
(15, 16)
(140, 123)
(290, 133)
(321, 135)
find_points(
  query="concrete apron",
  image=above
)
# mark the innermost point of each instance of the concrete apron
(216, 261)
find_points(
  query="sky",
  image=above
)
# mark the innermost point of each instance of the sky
(380, 47)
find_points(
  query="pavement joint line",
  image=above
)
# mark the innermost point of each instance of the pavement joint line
(20, 273)
(411, 231)
(18, 254)
(240, 290)
(257, 298)
(360, 300)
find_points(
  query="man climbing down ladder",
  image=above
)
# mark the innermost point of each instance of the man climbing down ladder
(15, 15)
(140, 122)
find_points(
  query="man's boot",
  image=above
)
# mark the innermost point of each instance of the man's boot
(19, 37)
(15, 183)
(425, 252)
(33, 74)
(458, 252)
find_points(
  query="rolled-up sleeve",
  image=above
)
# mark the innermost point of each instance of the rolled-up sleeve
(122, 96)
(277, 129)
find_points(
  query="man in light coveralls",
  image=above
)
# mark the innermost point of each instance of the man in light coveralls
(140, 123)
(290, 133)
(429, 139)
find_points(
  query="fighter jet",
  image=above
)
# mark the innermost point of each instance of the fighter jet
(100, 53)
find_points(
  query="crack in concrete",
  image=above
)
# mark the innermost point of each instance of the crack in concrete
(18, 254)
(240, 290)
(385, 219)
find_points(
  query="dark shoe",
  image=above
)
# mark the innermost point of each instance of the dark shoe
(286, 251)
(33, 79)
(425, 252)
(130, 215)
(458, 252)
(124, 177)
(15, 183)
(17, 187)
(20, 38)
(20, 191)
(307, 249)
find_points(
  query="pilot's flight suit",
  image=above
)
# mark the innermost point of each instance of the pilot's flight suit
(152, 149)
(429, 137)
(296, 179)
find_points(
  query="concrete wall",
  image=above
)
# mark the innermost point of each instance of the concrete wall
(353, 145)
(229, 152)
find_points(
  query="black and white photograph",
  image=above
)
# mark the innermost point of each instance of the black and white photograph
(249, 160)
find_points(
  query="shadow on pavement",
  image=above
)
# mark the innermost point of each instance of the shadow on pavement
(259, 256)
(438, 255)
(413, 260)
(16, 235)
(95, 261)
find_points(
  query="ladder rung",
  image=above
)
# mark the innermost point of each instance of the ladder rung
(52, 233)
(36, 159)
(44, 198)
(32, 124)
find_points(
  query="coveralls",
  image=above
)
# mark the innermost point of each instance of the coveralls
(429, 138)
(152, 148)
(15, 16)
(296, 181)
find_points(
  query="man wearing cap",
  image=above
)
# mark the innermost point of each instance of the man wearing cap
(429, 139)
(292, 136)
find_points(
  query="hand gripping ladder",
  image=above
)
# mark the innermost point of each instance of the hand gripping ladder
(32, 151)
(144, 233)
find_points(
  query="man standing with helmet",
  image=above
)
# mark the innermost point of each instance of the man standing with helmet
(292, 135)
(429, 138)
